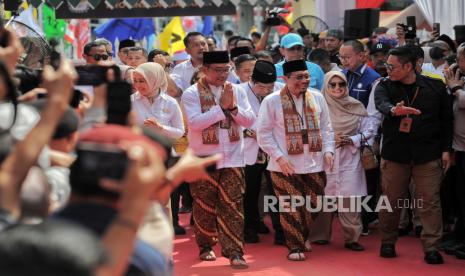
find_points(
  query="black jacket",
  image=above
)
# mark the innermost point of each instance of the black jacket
(431, 131)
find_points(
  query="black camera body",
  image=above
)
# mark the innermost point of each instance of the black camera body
(273, 18)
(97, 161)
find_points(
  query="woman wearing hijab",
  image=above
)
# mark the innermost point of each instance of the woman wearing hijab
(349, 119)
(153, 107)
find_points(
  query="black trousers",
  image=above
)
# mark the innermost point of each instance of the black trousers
(253, 180)
(184, 191)
(460, 194)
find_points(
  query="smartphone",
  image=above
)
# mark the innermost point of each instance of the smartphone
(101, 161)
(95, 75)
(437, 28)
(118, 102)
(91, 75)
(55, 57)
(3, 34)
(411, 32)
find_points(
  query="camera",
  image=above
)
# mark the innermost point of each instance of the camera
(273, 18)
(97, 161)
(411, 28)
(95, 74)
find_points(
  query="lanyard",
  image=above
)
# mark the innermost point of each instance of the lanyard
(260, 99)
(295, 109)
(410, 104)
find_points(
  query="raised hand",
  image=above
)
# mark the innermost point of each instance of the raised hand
(227, 97)
(401, 110)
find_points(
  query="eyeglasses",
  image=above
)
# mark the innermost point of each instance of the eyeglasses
(98, 57)
(341, 84)
(389, 67)
(301, 77)
(221, 70)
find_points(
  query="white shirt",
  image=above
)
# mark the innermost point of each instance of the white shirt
(182, 74)
(271, 134)
(251, 145)
(347, 178)
(233, 152)
(429, 67)
(164, 109)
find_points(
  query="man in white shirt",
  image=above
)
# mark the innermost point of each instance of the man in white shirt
(217, 113)
(196, 45)
(438, 52)
(263, 82)
(294, 129)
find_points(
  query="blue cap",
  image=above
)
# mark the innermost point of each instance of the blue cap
(290, 40)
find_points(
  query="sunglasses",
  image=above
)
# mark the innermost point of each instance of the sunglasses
(342, 84)
(98, 57)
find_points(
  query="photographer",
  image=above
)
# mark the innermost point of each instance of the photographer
(455, 76)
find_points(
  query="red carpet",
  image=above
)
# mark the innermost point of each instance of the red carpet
(265, 258)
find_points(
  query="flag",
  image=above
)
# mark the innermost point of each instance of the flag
(53, 28)
(171, 39)
(81, 35)
(70, 30)
(208, 26)
(27, 18)
(134, 28)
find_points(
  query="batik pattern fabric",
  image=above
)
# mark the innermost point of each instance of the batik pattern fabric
(297, 223)
(218, 210)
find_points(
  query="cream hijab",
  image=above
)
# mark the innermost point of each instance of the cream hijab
(345, 112)
(155, 76)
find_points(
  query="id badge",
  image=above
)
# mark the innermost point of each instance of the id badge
(305, 136)
(405, 125)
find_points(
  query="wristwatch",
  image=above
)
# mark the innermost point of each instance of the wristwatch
(393, 111)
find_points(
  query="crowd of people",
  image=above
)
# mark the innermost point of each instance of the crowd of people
(92, 179)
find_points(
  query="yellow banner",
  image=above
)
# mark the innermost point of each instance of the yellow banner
(171, 39)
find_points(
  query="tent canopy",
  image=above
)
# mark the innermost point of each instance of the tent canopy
(144, 8)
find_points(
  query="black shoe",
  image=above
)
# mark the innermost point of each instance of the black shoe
(321, 242)
(433, 257)
(451, 249)
(179, 230)
(460, 254)
(251, 237)
(403, 232)
(388, 251)
(184, 210)
(279, 238)
(355, 246)
(418, 230)
(262, 228)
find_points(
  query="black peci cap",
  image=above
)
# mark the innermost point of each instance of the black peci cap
(215, 57)
(295, 65)
(264, 72)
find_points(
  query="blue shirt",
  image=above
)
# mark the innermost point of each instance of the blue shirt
(316, 74)
(360, 82)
